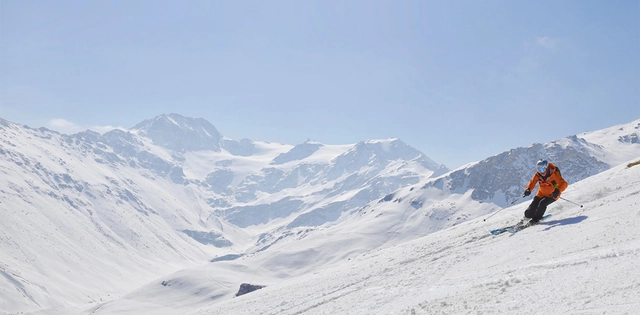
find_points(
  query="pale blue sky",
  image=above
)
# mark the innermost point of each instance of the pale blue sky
(458, 80)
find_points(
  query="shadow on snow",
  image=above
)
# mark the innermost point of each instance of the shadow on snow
(567, 221)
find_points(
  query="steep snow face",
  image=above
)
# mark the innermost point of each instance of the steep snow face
(74, 211)
(297, 153)
(616, 144)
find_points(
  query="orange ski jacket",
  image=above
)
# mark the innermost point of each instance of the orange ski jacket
(549, 181)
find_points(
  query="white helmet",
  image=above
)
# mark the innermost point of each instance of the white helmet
(542, 166)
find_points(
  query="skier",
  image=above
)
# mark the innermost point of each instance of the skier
(551, 186)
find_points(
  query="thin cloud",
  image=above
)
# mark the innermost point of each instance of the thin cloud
(67, 127)
(104, 129)
(547, 42)
(536, 53)
(63, 126)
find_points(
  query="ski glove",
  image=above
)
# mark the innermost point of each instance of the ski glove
(555, 193)
(526, 193)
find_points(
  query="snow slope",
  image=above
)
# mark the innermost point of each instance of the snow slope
(584, 260)
(580, 261)
(117, 224)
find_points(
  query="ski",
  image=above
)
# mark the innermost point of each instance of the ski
(516, 227)
(501, 230)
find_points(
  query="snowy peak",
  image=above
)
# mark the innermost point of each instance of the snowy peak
(181, 134)
(380, 152)
(4, 122)
(393, 149)
(615, 145)
(627, 133)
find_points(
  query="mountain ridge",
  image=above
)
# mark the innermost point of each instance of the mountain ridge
(160, 210)
(126, 198)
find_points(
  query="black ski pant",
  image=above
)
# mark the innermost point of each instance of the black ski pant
(537, 207)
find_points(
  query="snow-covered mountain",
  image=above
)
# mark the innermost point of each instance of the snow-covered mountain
(92, 217)
(500, 179)
(178, 133)
(166, 194)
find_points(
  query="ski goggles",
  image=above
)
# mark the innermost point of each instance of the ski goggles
(542, 169)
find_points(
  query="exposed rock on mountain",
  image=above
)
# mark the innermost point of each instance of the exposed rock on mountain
(248, 288)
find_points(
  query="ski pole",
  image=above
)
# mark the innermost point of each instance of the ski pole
(571, 202)
(507, 206)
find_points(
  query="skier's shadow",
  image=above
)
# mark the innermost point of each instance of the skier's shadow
(566, 221)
